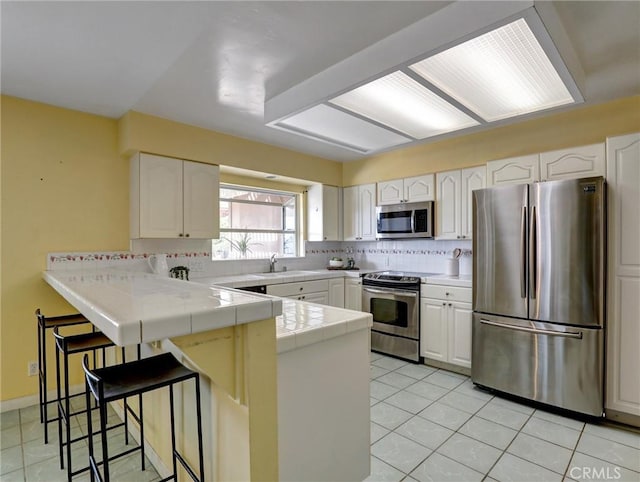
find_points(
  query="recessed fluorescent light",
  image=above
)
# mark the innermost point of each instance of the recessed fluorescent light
(327, 124)
(398, 101)
(501, 74)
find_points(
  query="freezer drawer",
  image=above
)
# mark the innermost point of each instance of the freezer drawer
(553, 364)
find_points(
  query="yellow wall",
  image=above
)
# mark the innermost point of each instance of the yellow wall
(582, 126)
(65, 188)
(64, 184)
(141, 132)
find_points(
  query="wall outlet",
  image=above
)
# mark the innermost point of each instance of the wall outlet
(32, 368)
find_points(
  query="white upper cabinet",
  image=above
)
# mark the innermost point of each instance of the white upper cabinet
(201, 188)
(454, 218)
(623, 282)
(391, 192)
(516, 170)
(171, 198)
(448, 208)
(419, 188)
(472, 178)
(359, 213)
(573, 163)
(584, 161)
(408, 190)
(324, 213)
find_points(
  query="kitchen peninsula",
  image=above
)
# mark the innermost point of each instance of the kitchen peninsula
(285, 383)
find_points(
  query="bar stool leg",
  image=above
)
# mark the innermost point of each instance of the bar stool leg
(103, 437)
(40, 394)
(67, 414)
(58, 406)
(173, 435)
(199, 418)
(92, 465)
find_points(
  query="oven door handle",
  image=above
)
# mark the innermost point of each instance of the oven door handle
(390, 291)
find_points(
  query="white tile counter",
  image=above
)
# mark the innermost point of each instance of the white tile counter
(255, 279)
(303, 323)
(463, 281)
(134, 307)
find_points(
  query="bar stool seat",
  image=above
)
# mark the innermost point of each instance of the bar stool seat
(66, 346)
(116, 382)
(46, 323)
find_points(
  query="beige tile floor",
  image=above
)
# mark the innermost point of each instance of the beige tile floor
(25, 457)
(434, 425)
(426, 425)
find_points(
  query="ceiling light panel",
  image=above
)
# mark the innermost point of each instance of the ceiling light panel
(327, 124)
(398, 101)
(501, 74)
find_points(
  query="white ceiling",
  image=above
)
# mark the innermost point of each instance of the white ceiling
(213, 64)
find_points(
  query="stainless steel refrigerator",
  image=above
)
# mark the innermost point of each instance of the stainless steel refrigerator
(538, 292)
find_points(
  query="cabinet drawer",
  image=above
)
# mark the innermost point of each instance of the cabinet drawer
(449, 293)
(291, 289)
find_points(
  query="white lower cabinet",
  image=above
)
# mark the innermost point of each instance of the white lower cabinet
(336, 292)
(316, 291)
(445, 324)
(353, 294)
(623, 323)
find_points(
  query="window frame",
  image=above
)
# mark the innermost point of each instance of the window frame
(297, 231)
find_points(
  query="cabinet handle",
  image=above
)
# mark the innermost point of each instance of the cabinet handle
(447, 294)
(186, 235)
(302, 297)
(449, 304)
(180, 235)
(444, 304)
(301, 288)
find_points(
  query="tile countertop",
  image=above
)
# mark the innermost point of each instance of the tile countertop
(256, 279)
(302, 323)
(134, 307)
(464, 281)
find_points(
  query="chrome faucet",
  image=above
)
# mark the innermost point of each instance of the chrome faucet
(272, 263)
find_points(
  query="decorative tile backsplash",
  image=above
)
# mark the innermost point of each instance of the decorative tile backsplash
(406, 255)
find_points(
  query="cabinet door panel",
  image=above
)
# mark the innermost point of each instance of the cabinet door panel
(201, 200)
(433, 329)
(574, 163)
(448, 205)
(390, 192)
(367, 211)
(160, 197)
(353, 294)
(472, 178)
(321, 298)
(460, 316)
(351, 213)
(419, 188)
(623, 284)
(336, 292)
(516, 170)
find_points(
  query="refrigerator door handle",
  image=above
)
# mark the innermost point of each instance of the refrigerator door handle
(533, 255)
(523, 253)
(566, 334)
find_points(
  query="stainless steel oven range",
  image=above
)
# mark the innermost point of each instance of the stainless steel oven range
(394, 301)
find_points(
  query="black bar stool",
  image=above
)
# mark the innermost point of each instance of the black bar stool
(45, 323)
(135, 378)
(67, 346)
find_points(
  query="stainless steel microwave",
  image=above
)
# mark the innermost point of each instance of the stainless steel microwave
(407, 220)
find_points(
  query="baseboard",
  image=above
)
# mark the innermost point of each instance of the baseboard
(29, 400)
(621, 417)
(448, 366)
